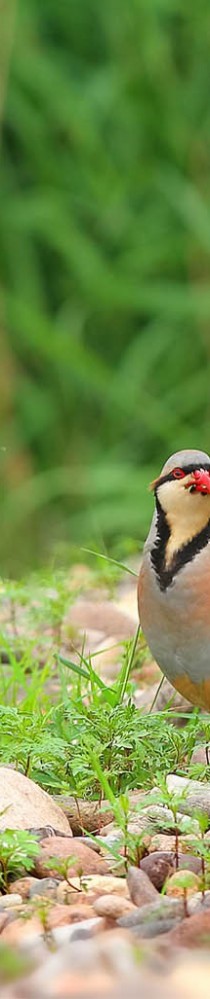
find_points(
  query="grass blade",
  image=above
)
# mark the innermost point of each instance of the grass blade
(114, 561)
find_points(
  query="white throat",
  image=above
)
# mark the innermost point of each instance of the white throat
(187, 514)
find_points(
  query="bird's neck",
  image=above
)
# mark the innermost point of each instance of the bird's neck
(183, 530)
(177, 542)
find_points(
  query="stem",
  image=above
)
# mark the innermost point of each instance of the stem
(128, 667)
(126, 856)
(4, 877)
(13, 616)
(186, 913)
(156, 695)
(79, 815)
(74, 888)
(176, 852)
(203, 875)
(207, 754)
(27, 768)
(126, 845)
(138, 856)
(100, 816)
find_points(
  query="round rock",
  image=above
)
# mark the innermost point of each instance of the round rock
(27, 805)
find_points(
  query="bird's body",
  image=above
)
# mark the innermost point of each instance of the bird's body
(174, 582)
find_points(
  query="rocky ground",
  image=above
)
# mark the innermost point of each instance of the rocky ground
(78, 923)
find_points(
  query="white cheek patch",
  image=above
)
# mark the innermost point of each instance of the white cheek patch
(187, 514)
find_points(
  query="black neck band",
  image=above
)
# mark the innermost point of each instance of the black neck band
(184, 554)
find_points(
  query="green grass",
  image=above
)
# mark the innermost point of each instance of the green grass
(73, 734)
(58, 716)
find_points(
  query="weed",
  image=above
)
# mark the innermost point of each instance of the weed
(18, 849)
(62, 866)
(200, 847)
(56, 743)
(185, 882)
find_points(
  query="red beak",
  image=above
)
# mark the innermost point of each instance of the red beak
(201, 481)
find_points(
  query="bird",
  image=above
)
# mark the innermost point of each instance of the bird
(174, 579)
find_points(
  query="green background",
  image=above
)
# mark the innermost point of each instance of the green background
(104, 250)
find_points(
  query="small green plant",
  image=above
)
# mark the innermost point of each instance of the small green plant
(62, 866)
(186, 882)
(172, 800)
(14, 964)
(52, 596)
(201, 848)
(133, 844)
(41, 907)
(15, 593)
(110, 695)
(18, 849)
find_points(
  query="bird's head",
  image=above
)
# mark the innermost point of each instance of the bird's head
(182, 493)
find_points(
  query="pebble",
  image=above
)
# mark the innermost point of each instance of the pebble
(103, 615)
(87, 861)
(96, 885)
(23, 886)
(158, 866)
(162, 843)
(112, 906)
(44, 886)
(140, 887)
(193, 932)
(43, 832)
(114, 839)
(159, 818)
(87, 841)
(197, 903)
(23, 933)
(65, 915)
(199, 755)
(10, 901)
(27, 804)
(154, 928)
(161, 908)
(197, 794)
(77, 931)
(69, 893)
(188, 862)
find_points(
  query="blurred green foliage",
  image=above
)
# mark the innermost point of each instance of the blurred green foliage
(104, 254)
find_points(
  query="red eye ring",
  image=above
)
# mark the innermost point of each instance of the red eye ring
(178, 473)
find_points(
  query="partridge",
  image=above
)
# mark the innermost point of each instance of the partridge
(174, 581)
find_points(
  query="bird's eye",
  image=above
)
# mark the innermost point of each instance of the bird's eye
(178, 473)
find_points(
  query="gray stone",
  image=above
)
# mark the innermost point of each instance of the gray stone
(197, 903)
(76, 931)
(10, 901)
(197, 794)
(155, 928)
(87, 841)
(44, 886)
(159, 818)
(163, 908)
